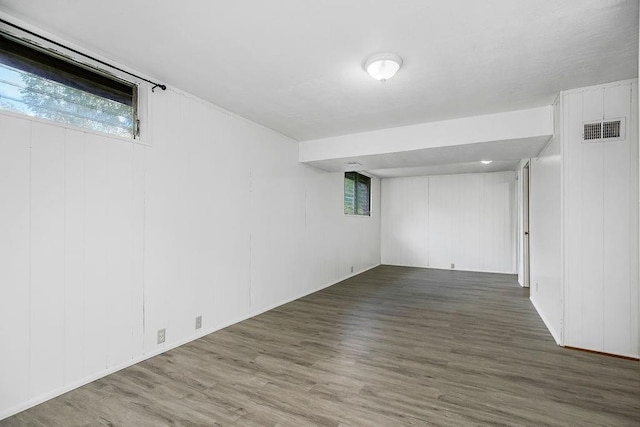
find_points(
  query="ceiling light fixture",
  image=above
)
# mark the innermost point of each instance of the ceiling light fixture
(486, 162)
(382, 66)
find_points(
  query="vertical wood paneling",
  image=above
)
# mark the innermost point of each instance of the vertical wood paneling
(118, 228)
(14, 261)
(592, 208)
(572, 223)
(320, 204)
(617, 221)
(197, 269)
(634, 194)
(74, 255)
(468, 217)
(457, 192)
(427, 230)
(404, 230)
(494, 222)
(486, 231)
(96, 311)
(230, 276)
(498, 218)
(278, 215)
(464, 219)
(161, 180)
(601, 197)
(414, 231)
(138, 212)
(393, 223)
(440, 221)
(388, 252)
(47, 258)
(186, 191)
(545, 234)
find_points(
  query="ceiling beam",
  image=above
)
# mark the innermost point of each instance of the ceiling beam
(521, 125)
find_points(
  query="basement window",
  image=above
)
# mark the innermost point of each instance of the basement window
(39, 83)
(357, 194)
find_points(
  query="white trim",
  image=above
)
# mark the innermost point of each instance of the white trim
(452, 269)
(519, 240)
(72, 127)
(301, 295)
(201, 333)
(559, 129)
(599, 86)
(554, 334)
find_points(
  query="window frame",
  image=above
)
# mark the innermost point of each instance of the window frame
(140, 107)
(369, 180)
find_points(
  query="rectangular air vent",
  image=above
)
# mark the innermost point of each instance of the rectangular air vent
(592, 131)
(611, 129)
(604, 130)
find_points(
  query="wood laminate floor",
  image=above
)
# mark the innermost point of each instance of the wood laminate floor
(392, 346)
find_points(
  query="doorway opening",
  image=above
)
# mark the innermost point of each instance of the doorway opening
(525, 226)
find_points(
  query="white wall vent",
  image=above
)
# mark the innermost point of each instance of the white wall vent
(592, 131)
(604, 130)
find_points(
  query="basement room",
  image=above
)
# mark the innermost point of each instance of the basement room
(319, 213)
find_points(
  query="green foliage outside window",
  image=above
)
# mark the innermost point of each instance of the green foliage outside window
(357, 194)
(35, 96)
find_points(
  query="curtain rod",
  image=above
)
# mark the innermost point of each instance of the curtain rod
(155, 85)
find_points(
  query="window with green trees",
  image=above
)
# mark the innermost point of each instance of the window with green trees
(357, 194)
(39, 83)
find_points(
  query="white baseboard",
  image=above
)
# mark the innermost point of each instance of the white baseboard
(301, 295)
(553, 332)
(170, 346)
(451, 269)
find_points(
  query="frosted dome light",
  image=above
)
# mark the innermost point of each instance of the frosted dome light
(383, 66)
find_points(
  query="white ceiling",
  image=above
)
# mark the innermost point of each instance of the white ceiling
(295, 65)
(464, 158)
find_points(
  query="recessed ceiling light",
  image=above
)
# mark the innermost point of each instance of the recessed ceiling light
(486, 162)
(382, 66)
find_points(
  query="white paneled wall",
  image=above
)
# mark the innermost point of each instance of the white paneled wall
(104, 241)
(601, 222)
(545, 239)
(467, 220)
(15, 306)
(69, 250)
(405, 217)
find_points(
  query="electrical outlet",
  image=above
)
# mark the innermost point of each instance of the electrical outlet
(198, 322)
(453, 265)
(352, 268)
(162, 335)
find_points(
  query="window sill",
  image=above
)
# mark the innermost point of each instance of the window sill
(72, 127)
